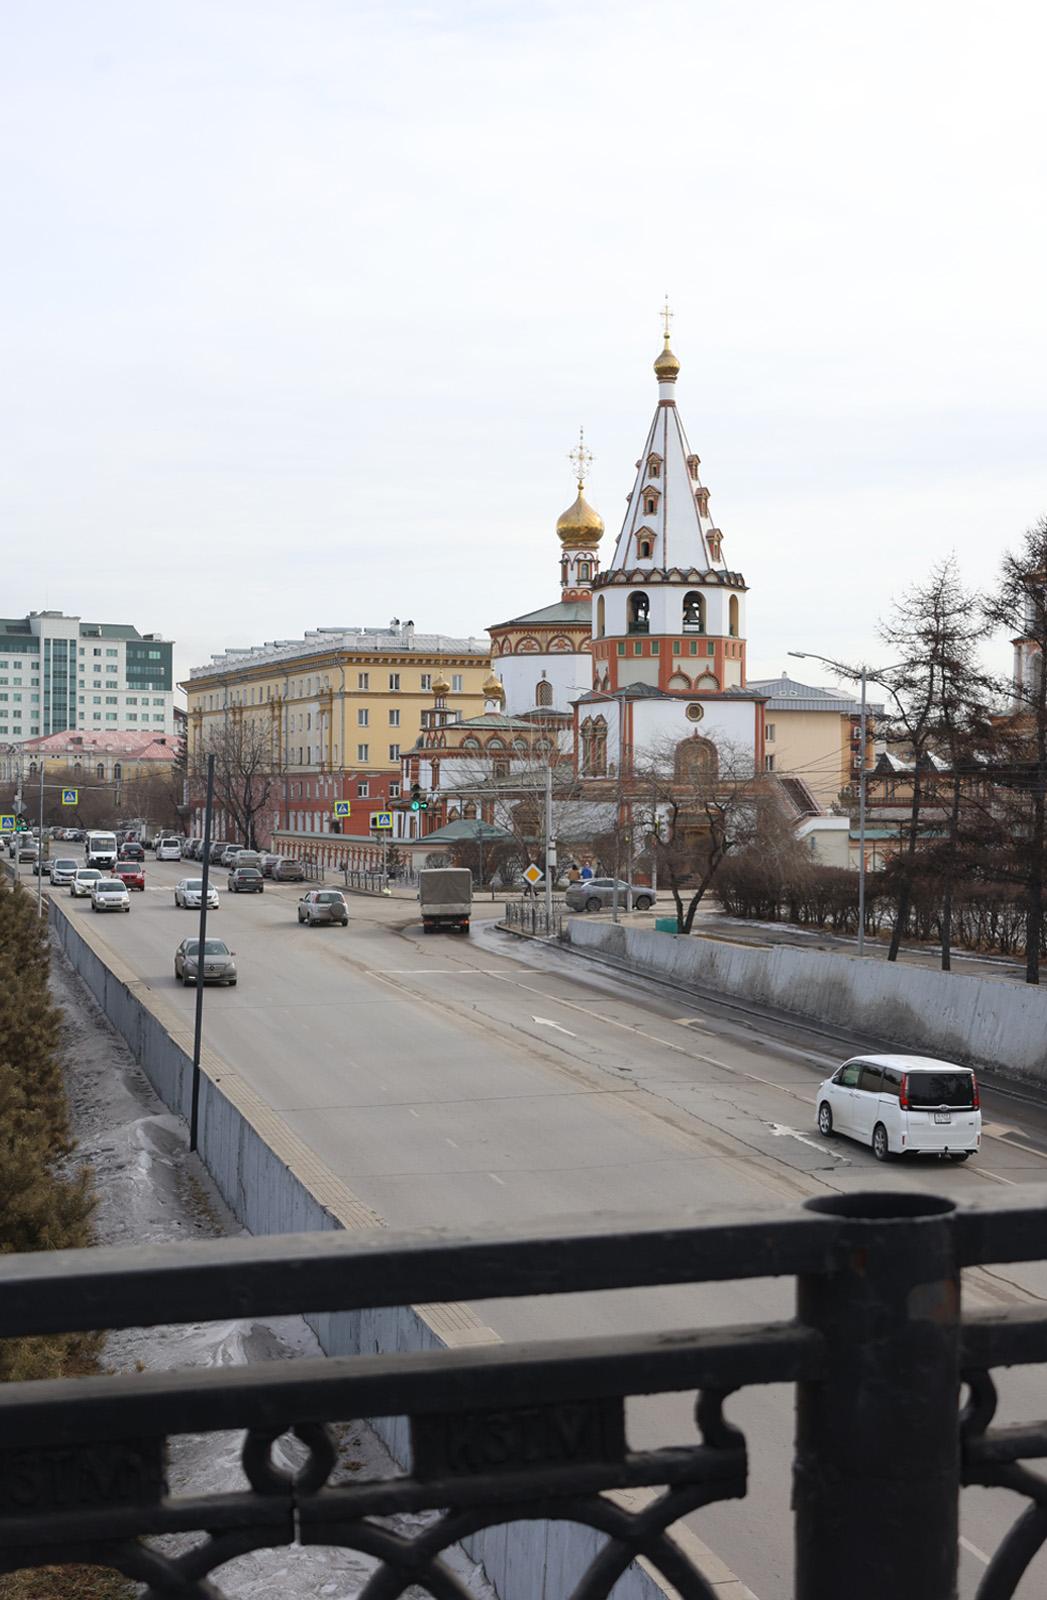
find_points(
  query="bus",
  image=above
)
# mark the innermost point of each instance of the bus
(100, 850)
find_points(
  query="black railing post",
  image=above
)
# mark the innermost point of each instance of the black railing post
(877, 1472)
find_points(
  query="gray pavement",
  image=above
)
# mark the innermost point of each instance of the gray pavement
(465, 1082)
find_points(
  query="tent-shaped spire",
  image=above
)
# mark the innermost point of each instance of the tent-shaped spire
(668, 523)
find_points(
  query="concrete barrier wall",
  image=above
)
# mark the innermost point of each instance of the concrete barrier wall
(980, 1021)
(274, 1184)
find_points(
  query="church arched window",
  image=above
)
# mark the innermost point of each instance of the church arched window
(600, 621)
(585, 571)
(639, 613)
(693, 612)
(732, 614)
(654, 465)
(643, 550)
(694, 758)
(100, 771)
(543, 692)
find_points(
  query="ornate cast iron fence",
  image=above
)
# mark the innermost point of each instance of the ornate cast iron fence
(529, 915)
(878, 1352)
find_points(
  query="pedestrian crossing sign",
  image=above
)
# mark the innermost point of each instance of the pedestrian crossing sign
(533, 874)
(70, 797)
(381, 819)
(341, 808)
(7, 824)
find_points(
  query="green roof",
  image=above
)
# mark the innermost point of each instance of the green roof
(463, 830)
(564, 611)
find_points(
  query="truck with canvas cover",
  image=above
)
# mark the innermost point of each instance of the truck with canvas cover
(446, 897)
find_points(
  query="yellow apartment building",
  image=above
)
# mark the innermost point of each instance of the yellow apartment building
(326, 717)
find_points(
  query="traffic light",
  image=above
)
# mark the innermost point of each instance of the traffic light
(417, 803)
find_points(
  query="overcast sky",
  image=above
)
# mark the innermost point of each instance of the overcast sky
(304, 301)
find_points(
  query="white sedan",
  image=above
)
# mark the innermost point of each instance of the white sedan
(84, 880)
(189, 892)
(110, 894)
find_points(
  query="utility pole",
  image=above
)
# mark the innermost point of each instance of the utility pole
(550, 849)
(194, 1114)
(40, 844)
(861, 826)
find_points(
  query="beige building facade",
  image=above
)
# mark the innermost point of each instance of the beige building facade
(335, 711)
(812, 736)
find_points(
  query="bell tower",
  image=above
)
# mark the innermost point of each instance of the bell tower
(579, 530)
(668, 612)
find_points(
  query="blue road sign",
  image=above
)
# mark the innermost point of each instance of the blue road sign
(7, 824)
(341, 808)
(381, 819)
(70, 797)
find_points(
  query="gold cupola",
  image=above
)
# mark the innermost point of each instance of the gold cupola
(666, 367)
(492, 687)
(580, 527)
(440, 684)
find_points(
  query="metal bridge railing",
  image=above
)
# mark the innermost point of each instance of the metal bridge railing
(529, 915)
(878, 1353)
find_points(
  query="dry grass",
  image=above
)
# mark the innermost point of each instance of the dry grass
(66, 1583)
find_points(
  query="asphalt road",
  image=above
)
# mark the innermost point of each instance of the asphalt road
(459, 1082)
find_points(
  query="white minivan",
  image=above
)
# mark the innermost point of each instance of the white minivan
(900, 1103)
(169, 850)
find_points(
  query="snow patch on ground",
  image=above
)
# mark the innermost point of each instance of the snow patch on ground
(152, 1191)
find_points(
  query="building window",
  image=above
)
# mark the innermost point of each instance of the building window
(363, 752)
(621, 647)
(394, 681)
(656, 647)
(457, 683)
(111, 652)
(394, 791)
(363, 680)
(110, 699)
(768, 763)
(427, 680)
(585, 571)
(132, 699)
(600, 618)
(394, 752)
(394, 719)
(363, 788)
(676, 647)
(638, 647)
(362, 719)
(96, 651)
(543, 693)
(99, 771)
(732, 615)
(770, 732)
(693, 612)
(692, 647)
(644, 550)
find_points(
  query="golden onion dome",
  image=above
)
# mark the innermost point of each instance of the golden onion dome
(441, 684)
(667, 368)
(493, 687)
(579, 526)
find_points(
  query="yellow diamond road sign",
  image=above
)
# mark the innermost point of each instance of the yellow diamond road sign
(7, 824)
(341, 808)
(533, 874)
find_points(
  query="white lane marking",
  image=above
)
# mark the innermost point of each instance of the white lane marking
(782, 1132)
(452, 1144)
(547, 1022)
(496, 1179)
(972, 1549)
(435, 972)
(411, 1111)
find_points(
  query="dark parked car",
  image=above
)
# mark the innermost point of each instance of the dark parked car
(218, 849)
(132, 851)
(246, 880)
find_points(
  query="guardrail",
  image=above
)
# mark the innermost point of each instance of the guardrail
(530, 916)
(877, 1351)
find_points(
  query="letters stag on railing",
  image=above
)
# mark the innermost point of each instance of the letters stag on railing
(878, 1352)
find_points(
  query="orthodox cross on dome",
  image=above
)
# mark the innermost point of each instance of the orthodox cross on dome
(667, 317)
(582, 458)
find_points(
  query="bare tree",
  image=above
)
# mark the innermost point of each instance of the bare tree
(695, 803)
(1019, 604)
(937, 694)
(247, 765)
